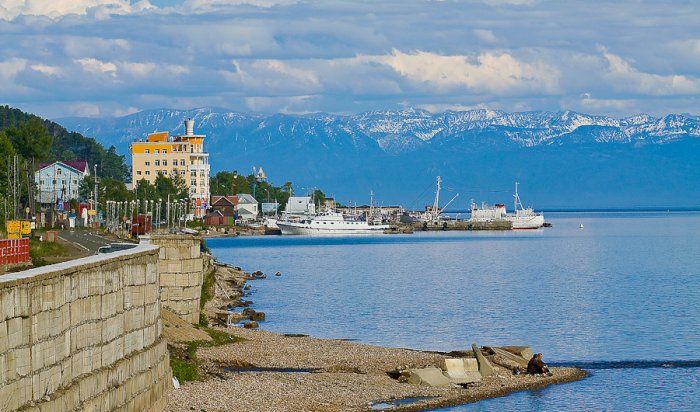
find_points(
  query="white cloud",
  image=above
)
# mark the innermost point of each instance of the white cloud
(97, 66)
(125, 111)
(499, 73)
(9, 68)
(177, 69)
(337, 56)
(84, 109)
(485, 36)
(137, 69)
(201, 6)
(441, 107)
(287, 104)
(10, 9)
(510, 2)
(305, 77)
(42, 68)
(623, 76)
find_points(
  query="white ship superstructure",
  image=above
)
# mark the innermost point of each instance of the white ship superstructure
(330, 223)
(523, 218)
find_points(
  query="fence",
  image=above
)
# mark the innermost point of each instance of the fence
(13, 251)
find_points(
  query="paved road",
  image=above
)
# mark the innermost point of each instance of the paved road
(84, 239)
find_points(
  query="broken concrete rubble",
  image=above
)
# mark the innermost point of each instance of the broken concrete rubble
(485, 367)
(523, 351)
(514, 360)
(461, 370)
(430, 376)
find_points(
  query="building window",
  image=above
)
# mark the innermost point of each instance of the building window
(54, 182)
(165, 151)
(193, 174)
(165, 172)
(193, 182)
(148, 163)
(157, 162)
(59, 171)
(75, 182)
(165, 162)
(182, 162)
(148, 172)
(138, 173)
(41, 182)
(157, 151)
(182, 172)
(147, 151)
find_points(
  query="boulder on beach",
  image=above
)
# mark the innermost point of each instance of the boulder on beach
(251, 325)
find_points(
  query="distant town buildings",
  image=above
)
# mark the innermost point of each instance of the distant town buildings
(60, 181)
(172, 156)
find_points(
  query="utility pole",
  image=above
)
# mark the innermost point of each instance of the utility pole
(95, 191)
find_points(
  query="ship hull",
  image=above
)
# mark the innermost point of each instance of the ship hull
(526, 222)
(293, 228)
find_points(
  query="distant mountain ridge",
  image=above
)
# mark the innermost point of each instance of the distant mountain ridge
(385, 150)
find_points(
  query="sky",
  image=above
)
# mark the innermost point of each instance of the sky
(110, 58)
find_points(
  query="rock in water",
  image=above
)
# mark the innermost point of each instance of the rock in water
(251, 325)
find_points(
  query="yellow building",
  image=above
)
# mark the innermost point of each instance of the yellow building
(175, 155)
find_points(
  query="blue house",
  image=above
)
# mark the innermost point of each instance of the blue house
(60, 181)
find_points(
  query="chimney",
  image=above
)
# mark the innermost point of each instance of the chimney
(189, 127)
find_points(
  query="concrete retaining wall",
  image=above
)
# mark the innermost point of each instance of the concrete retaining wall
(84, 335)
(181, 274)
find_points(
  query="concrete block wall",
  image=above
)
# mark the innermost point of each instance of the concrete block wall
(84, 335)
(181, 274)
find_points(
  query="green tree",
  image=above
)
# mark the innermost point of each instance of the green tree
(113, 165)
(175, 187)
(112, 189)
(6, 149)
(319, 198)
(86, 189)
(31, 139)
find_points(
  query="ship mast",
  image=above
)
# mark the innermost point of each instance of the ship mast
(434, 211)
(516, 199)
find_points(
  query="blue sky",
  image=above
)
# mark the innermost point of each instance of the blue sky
(115, 57)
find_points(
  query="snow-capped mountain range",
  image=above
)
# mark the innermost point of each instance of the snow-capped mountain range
(355, 153)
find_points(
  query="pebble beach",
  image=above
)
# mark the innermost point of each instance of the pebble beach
(267, 371)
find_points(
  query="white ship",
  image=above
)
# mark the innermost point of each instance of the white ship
(523, 218)
(330, 223)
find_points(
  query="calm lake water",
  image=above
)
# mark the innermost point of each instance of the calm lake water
(620, 297)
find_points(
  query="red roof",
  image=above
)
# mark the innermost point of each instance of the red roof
(222, 200)
(80, 165)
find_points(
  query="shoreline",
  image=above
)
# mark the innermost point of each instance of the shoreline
(278, 372)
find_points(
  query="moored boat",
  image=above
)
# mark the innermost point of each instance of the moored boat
(522, 218)
(330, 223)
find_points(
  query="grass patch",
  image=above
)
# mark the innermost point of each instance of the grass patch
(206, 295)
(185, 364)
(38, 251)
(221, 338)
(207, 288)
(205, 249)
(184, 370)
